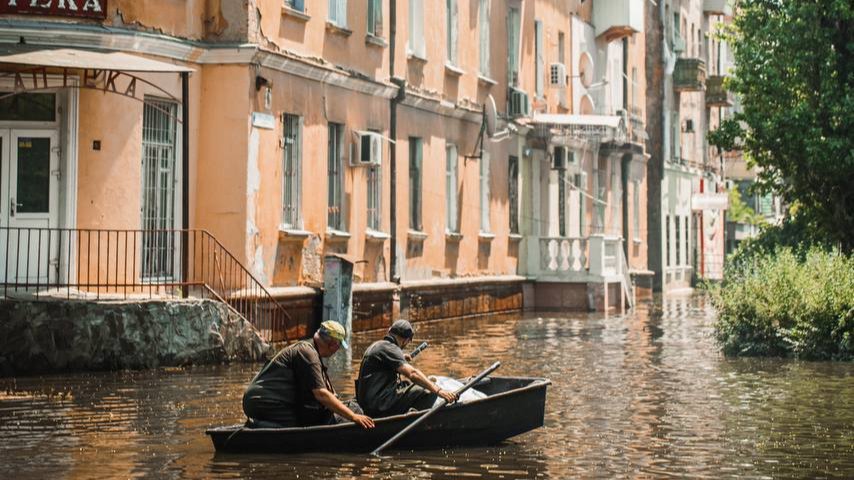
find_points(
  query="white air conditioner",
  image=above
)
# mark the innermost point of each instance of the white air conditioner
(367, 149)
(557, 75)
(519, 103)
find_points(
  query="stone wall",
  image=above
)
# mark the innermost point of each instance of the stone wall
(55, 335)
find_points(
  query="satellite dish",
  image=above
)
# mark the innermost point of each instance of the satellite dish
(490, 113)
(585, 69)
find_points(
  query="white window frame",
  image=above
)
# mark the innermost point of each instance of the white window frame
(335, 177)
(338, 13)
(514, 28)
(452, 30)
(452, 224)
(292, 171)
(415, 45)
(483, 13)
(375, 18)
(374, 206)
(483, 170)
(540, 59)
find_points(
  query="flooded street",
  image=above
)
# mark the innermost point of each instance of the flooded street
(647, 395)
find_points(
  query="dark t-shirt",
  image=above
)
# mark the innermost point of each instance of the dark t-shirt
(282, 390)
(378, 377)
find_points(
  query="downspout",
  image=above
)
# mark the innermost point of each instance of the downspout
(401, 85)
(185, 180)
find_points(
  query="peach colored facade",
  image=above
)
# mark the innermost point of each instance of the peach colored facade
(261, 64)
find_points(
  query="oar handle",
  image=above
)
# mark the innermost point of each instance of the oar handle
(442, 403)
(418, 349)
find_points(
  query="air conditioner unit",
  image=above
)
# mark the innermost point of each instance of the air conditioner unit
(557, 75)
(367, 149)
(519, 103)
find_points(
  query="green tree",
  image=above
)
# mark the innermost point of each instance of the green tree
(794, 69)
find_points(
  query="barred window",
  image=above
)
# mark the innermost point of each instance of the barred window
(291, 170)
(335, 180)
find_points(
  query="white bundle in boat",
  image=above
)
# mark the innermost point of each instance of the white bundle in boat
(452, 385)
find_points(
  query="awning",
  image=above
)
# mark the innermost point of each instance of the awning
(566, 129)
(80, 58)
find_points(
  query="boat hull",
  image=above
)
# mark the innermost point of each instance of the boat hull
(513, 406)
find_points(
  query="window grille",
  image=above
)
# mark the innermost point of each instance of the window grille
(158, 189)
(335, 177)
(375, 197)
(291, 170)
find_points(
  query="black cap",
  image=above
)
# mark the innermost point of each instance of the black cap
(401, 328)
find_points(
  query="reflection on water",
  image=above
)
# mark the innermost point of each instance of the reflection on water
(646, 395)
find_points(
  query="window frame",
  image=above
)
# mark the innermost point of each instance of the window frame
(292, 161)
(513, 166)
(483, 27)
(452, 31)
(415, 43)
(375, 18)
(337, 14)
(335, 177)
(416, 169)
(452, 221)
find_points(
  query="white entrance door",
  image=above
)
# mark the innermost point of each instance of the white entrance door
(29, 192)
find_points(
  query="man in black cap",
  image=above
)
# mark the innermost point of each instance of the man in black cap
(379, 389)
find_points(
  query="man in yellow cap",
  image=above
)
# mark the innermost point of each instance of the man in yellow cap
(293, 389)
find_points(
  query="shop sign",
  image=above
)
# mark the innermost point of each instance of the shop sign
(58, 8)
(709, 201)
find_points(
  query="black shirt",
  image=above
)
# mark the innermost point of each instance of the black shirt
(378, 378)
(282, 390)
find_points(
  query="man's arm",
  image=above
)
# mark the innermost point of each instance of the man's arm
(330, 401)
(419, 378)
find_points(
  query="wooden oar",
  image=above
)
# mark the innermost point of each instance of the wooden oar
(442, 403)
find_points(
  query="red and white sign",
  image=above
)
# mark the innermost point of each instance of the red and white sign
(58, 8)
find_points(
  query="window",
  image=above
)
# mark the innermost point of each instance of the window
(415, 45)
(375, 197)
(415, 164)
(513, 193)
(297, 5)
(616, 202)
(581, 186)
(375, 18)
(678, 241)
(291, 169)
(625, 74)
(561, 48)
(685, 262)
(338, 13)
(451, 30)
(484, 192)
(538, 51)
(158, 188)
(600, 189)
(513, 27)
(636, 233)
(483, 36)
(561, 201)
(335, 217)
(667, 240)
(28, 107)
(451, 192)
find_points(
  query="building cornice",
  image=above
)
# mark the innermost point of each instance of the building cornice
(439, 107)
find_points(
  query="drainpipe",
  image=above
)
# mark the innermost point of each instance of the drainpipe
(185, 179)
(401, 85)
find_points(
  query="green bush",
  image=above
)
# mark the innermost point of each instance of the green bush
(785, 302)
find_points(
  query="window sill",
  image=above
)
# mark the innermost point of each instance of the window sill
(485, 236)
(295, 14)
(486, 80)
(338, 30)
(453, 237)
(290, 233)
(333, 235)
(415, 58)
(376, 236)
(416, 235)
(515, 237)
(375, 41)
(450, 69)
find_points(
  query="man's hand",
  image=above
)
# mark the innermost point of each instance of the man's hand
(363, 421)
(449, 397)
(407, 357)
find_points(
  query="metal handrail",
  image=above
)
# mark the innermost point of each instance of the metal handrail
(129, 263)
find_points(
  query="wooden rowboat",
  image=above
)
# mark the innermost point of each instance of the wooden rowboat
(513, 405)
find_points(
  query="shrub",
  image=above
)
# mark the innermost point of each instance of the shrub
(784, 302)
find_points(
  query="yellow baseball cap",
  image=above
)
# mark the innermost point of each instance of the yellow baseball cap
(336, 331)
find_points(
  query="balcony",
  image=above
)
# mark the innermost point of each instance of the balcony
(614, 19)
(716, 94)
(570, 259)
(689, 75)
(717, 7)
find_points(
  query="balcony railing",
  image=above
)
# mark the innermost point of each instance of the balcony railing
(575, 259)
(689, 75)
(135, 264)
(716, 94)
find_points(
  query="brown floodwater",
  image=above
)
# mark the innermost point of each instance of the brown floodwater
(645, 395)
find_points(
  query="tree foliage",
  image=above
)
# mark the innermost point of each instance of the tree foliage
(794, 70)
